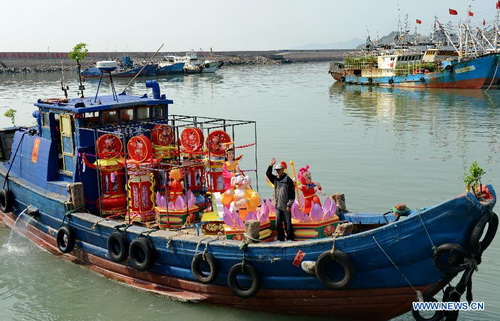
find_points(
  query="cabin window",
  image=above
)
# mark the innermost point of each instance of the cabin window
(159, 111)
(126, 115)
(142, 113)
(91, 119)
(45, 120)
(110, 117)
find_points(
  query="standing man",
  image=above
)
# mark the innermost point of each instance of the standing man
(284, 196)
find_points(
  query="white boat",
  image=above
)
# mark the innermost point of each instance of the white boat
(193, 65)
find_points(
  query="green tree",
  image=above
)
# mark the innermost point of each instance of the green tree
(473, 178)
(79, 53)
(11, 113)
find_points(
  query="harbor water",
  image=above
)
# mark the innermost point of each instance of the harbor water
(378, 146)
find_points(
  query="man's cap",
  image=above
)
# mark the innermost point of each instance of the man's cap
(279, 166)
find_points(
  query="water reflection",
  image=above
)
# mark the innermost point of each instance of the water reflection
(429, 121)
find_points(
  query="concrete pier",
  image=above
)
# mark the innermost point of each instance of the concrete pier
(15, 62)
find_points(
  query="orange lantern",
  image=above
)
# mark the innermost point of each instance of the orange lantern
(110, 164)
(141, 180)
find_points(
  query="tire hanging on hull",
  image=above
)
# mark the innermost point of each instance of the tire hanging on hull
(6, 200)
(65, 239)
(336, 257)
(141, 254)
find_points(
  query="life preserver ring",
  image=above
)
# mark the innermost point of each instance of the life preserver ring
(141, 254)
(438, 314)
(454, 249)
(345, 262)
(391, 81)
(5, 200)
(243, 268)
(475, 243)
(118, 246)
(65, 239)
(212, 265)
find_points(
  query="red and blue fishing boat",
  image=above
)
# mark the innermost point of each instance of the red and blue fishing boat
(96, 183)
(433, 68)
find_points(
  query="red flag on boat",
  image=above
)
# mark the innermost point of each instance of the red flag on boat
(484, 22)
(454, 12)
(498, 4)
(471, 14)
(419, 21)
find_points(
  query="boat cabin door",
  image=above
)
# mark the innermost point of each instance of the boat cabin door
(67, 144)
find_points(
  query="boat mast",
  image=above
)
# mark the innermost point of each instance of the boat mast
(449, 40)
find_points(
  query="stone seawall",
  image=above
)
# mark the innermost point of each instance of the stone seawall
(15, 62)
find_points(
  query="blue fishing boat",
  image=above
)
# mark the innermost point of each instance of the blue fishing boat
(106, 166)
(433, 68)
(126, 68)
(170, 65)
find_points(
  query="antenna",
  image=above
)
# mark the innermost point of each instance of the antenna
(106, 66)
(63, 87)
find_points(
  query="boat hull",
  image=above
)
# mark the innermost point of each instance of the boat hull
(472, 74)
(377, 290)
(360, 304)
(176, 68)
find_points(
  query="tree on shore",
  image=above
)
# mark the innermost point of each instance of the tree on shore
(11, 114)
(79, 53)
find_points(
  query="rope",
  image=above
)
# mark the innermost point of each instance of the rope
(428, 235)
(245, 146)
(68, 213)
(97, 223)
(333, 247)
(402, 274)
(251, 238)
(493, 78)
(13, 158)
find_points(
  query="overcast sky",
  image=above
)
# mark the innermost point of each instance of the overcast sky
(224, 25)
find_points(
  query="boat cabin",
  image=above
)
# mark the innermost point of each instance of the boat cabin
(111, 142)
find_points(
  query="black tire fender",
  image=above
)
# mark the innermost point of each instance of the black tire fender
(212, 264)
(391, 81)
(452, 248)
(65, 238)
(118, 246)
(345, 262)
(422, 79)
(370, 80)
(141, 254)
(475, 243)
(6, 200)
(342, 79)
(243, 268)
(438, 314)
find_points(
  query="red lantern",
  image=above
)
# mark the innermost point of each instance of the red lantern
(109, 146)
(140, 148)
(217, 142)
(192, 139)
(162, 135)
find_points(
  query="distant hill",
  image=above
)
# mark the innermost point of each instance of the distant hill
(350, 44)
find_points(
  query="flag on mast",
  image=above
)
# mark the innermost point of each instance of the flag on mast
(454, 12)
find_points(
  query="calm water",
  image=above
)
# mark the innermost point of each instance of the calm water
(378, 146)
